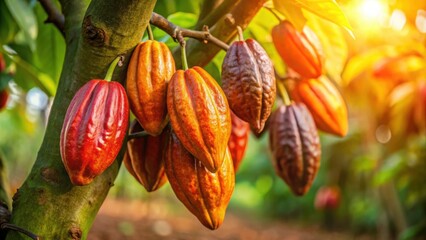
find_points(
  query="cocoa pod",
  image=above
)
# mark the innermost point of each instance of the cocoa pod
(199, 115)
(301, 51)
(204, 194)
(93, 131)
(4, 96)
(248, 80)
(145, 158)
(327, 198)
(326, 104)
(2, 63)
(295, 146)
(238, 140)
(150, 69)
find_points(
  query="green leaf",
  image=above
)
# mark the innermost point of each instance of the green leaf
(292, 12)
(327, 9)
(8, 26)
(333, 41)
(182, 19)
(25, 18)
(50, 50)
(40, 79)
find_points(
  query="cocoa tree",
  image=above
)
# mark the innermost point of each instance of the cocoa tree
(96, 32)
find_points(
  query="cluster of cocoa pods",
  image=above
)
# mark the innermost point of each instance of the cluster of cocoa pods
(316, 104)
(196, 131)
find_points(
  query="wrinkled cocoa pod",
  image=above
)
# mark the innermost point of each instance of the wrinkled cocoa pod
(326, 104)
(258, 135)
(145, 158)
(148, 74)
(238, 140)
(301, 51)
(199, 115)
(295, 146)
(204, 194)
(4, 96)
(93, 130)
(248, 80)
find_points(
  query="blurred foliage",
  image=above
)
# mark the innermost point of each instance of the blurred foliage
(380, 167)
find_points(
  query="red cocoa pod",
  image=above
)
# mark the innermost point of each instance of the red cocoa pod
(248, 80)
(295, 146)
(2, 63)
(238, 140)
(93, 131)
(327, 198)
(4, 96)
(204, 194)
(326, 104)
(145, 158)
(301, 51)
(199, 115)
(150, 69)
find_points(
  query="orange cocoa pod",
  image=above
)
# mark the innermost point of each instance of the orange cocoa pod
(204, 194)
(301, 51)
(199, 115)
(145, 158)
(150, 69)
(325, 103)
(248, 80)
(238, 140)
(295, 146)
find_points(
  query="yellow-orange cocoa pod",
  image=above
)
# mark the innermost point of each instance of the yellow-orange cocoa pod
(301, 51)
(150, 69)
(145, 158)
(326, 104)
(204, 194)
(199, 115)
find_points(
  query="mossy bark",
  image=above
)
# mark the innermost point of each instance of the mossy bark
(47, 203)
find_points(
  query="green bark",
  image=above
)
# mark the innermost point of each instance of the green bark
(47, 203)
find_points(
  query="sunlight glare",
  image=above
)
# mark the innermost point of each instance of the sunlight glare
(373, 11)
(397, 20)
(421, 21)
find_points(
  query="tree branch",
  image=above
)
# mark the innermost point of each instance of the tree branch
(171, 29)
(213, 16)
(53, 15)
(201, 54)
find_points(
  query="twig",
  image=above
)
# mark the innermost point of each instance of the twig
(173, 30)
(53, 15)
(220, 11)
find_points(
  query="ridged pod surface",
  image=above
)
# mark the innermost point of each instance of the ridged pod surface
(301, 51)
(199, 115)
(150, 69)
(248, 80)
(93, 130)
(204, 194)
(326, 104)
(145, 158)
(238, 140)
(295, 146)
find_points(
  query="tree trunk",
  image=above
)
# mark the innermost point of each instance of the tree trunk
(47, 203)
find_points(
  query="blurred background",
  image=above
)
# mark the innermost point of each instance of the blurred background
(371, 183)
